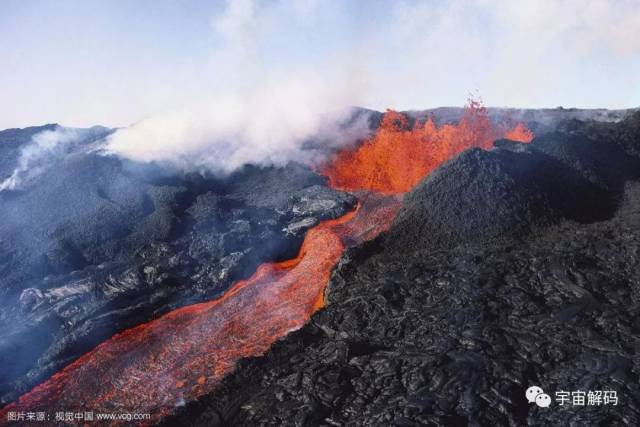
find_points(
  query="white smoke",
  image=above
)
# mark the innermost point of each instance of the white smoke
(36, 156)
(280, 77)
(266, 115)
(269, 125)
(413, 54)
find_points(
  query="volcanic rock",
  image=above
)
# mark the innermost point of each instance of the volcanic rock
(94, 244)
(505, 269)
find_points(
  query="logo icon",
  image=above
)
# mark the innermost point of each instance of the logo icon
(536, 395)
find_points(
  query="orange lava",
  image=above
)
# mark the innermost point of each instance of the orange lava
(156, 366)
(398, 156)
(519, 133)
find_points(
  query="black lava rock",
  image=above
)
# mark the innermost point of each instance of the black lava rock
(514, 190)
(506, 269)
(93, 244)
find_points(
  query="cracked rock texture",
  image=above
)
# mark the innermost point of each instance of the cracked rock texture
(505, 269)
(93, 244)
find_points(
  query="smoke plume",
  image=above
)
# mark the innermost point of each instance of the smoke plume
(44, 148)
(268, 125)
(281, 71)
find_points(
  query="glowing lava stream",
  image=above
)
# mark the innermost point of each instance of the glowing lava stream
(184, 354)
(158, 365)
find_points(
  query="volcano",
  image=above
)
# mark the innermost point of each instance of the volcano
(414, 229)
(504, 268)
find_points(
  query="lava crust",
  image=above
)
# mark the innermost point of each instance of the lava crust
(505, 269)
(95, 244)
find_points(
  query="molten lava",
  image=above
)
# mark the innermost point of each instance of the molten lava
(519, 133)
(158, 365)
(184, 354)
(398, 156)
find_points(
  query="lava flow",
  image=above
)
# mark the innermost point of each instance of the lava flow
(156, 366)
(398, 156)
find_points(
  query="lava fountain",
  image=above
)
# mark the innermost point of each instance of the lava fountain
(398, 156)
(157, 366)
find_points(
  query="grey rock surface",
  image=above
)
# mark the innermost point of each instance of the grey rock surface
(94, 244)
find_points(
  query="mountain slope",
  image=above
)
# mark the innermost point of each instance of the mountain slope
(481, 289)
(93, 244)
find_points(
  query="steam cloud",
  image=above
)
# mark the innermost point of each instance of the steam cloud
(268, 95)
(264, 115)
(39, 154)
(271, 125)
(406, 54)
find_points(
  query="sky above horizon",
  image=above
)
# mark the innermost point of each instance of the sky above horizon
(116, 62)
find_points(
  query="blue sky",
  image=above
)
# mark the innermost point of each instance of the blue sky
(116, 62)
